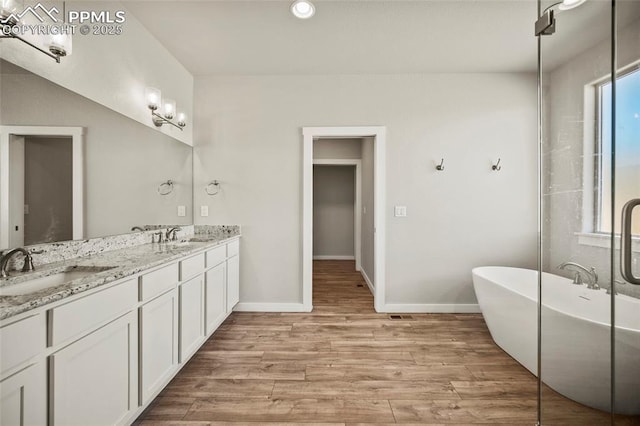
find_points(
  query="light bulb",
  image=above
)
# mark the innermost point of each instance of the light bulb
(182, 119)
(153, 97)
(570, 4)
(169, 108)
(303, 9)
(60, 44)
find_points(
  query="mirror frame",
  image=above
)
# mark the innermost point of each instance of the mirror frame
(77, 136)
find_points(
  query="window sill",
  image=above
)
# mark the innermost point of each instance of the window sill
(604, 241)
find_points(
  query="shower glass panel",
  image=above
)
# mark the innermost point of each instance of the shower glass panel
(590, 167)
(626, 191)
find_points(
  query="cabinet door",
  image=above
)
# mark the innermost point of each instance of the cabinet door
(233, 282)
(93, 381)
(215, 297)
(191, 316)
(23, 397)
(158, 343)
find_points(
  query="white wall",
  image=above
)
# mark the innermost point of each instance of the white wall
(113, 70)
(124, 160)
(346, 149)
(248, 134)
(333, 211)
(564, 189)
(368, 216)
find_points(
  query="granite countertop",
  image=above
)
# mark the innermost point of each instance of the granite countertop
(109, 266)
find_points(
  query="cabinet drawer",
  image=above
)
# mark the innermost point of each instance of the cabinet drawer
(22, 340)
(191, 267)
(233, 248)
(157, 282)
(216, 256)
(85, 314)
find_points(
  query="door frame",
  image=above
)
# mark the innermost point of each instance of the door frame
(357, 202)
(77, 151)
(379, 178)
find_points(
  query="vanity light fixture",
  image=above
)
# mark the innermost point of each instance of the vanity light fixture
(154, 103)
(55, 45)
(303, 9)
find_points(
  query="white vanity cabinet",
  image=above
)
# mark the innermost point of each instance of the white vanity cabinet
(93, 366)
(191, 317)
(191, 291)
(233, 274)
(94, 381)
(101, 356)
(23, 397)
(158, 343)
(23, 373)
(158, 316)
(215, 296)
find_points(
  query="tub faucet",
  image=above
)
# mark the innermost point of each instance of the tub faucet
(4, 261)
(592, 275)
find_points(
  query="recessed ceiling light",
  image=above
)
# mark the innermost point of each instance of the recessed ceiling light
(570, 4)
(303, 9)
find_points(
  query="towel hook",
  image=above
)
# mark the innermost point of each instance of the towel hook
(440, 167)
(212, 187)
(496, 167)
(165, 188)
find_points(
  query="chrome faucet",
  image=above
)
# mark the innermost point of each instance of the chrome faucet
(171, 233)
(4, 261)
(592, 275)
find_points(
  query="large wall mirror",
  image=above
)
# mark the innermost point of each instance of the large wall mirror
(72, 168)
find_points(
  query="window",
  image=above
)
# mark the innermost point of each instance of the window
(627, 168)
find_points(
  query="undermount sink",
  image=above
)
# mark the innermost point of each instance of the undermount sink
(36, 284)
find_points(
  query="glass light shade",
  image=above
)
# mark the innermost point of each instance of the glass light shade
(61, 44)
(182, 119)
(9, 8)
(303, 9)
(153, 97)
(570, 4)
(169, 108)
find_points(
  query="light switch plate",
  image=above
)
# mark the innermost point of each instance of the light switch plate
(182, 211)
(400, 211)
(204, 211)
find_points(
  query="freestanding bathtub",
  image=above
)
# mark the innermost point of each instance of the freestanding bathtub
(576, 334)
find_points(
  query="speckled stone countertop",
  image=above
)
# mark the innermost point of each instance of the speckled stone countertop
(108, 266)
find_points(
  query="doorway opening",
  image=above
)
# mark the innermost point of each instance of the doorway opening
(340, 249)
(41, 185)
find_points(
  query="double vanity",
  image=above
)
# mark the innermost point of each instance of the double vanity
(93, 339)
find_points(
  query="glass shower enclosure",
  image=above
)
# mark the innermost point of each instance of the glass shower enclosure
(589, 219)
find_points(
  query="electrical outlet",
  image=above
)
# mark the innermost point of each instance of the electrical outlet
(400, 211)
(204, 211)
(182, 211)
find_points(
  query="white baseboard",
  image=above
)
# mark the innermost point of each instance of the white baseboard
(368, 281)
(271, 307)
(423, 308)
(330, 257)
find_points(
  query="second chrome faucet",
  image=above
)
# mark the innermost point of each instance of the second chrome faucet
(590, 273)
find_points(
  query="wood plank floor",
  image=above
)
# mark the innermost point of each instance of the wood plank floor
(344, 364)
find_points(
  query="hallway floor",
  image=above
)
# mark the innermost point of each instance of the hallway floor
(345, 364)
